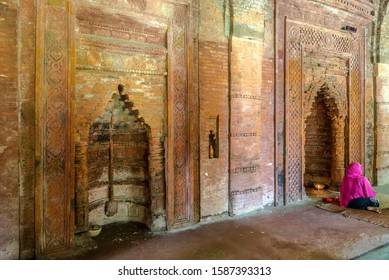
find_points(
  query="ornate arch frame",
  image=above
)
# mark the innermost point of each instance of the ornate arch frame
(54, 150)
(336, 104)
(303, 28)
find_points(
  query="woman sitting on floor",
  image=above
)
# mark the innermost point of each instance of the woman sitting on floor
(356, 191)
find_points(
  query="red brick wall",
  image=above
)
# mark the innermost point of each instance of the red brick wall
(213, 72)
(318, 145)
(129, 166)
(9, 134)
(247, 189)
(236, 85)
(124, 47)
(266, 152)
(106, 48)
(214, 107)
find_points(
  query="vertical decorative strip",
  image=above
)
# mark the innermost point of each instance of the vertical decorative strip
(194, 109)
(180, 192)
(27, 17)
(293, 112)
(279, 111)
(54, 143)
(355, 108)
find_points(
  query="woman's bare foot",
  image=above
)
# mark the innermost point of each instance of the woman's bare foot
(374, 209)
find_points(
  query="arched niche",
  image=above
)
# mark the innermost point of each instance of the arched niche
(324, 138)
(114, 167)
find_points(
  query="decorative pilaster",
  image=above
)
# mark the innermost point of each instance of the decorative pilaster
(338, 150)
(54, 152)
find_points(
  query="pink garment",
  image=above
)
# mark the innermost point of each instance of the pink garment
(354, 185)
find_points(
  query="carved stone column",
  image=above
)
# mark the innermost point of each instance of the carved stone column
(338, 150)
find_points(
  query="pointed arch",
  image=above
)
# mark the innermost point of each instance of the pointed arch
(334, 96)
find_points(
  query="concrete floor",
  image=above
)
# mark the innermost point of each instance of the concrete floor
(296, 232)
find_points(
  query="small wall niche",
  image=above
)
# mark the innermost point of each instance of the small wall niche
(213, 136)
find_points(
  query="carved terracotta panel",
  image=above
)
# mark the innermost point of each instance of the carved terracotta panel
(134, 47)
(183, 199)
(27, 10)
(54, 186)
(317, 55)
(178, 161)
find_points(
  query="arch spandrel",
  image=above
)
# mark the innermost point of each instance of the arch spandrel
(335, 93)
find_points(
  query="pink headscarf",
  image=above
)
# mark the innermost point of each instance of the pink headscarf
(354, 185)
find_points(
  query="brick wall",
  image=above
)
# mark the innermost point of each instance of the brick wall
(252, 132)
(242, 71)
(382, 122)
(247, 190)
(214, 108)
(266, 152)
(380, 74)
(318, 144)
(123, 46)
(118, 179)
(108, 52)
(9, 161)
(383, 47)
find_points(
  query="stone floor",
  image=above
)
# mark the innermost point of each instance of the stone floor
(296, 232)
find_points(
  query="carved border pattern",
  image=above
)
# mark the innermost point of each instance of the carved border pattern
(178, 99)
(183, 190)
(300, 39)
(121, 70)
(355, 114)
(363, 8)
(321, 41)
(55, 208)
(293, 115)
(54, 176)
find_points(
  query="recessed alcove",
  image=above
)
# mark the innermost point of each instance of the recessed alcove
(118, 166)
(318, 143)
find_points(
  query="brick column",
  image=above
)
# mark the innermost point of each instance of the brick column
(338, 150)
(246, 158)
